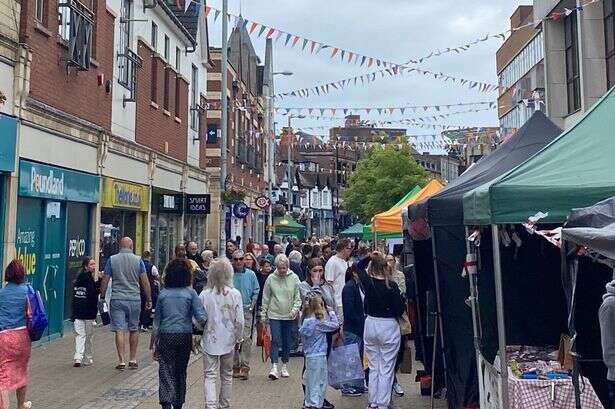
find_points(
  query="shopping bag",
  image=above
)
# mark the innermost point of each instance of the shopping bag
(103, 310)
(36, 318)
(345, 365)
(266, 352)
(260, 334)
(404, 324)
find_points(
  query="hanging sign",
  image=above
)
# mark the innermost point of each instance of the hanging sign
(241, 210)
(262, 202)
(198, 204)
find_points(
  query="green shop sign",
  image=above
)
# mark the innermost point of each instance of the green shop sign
(50, 182)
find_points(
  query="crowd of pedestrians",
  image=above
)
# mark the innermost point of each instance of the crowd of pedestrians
(306, 297)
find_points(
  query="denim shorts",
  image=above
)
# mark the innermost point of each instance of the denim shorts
(124, 315)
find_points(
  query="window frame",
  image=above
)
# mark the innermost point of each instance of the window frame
(154, 37)
(76, 29)
(609, 54)
(125, 54)
(178, 59)
(194, 101)
(571, 54)
(167, 90)
(177, 96)
(167, 48)
(40, 11)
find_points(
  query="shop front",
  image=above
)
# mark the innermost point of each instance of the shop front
(8, 132)
(54, 214)
(198, 207)
(166, 226)
(125, 207)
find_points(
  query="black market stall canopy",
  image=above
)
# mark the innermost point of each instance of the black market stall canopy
(287, 226)
(446, 207)
(593, 227)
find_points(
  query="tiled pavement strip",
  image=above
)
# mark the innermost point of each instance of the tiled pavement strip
(54, 383)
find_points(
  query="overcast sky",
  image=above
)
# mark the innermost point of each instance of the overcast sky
(393, 30)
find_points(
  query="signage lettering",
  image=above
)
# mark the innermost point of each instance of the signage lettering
(76, 247)
(47, 184)
(198, 204)
(126, 195)
(28, 259)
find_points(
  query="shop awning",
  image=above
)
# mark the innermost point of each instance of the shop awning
(355, 230)
(446, 207)
(575, 170)
(368, 234)
(390, 221)
(287, 226)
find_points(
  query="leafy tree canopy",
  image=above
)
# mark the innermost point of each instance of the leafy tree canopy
(381, 179)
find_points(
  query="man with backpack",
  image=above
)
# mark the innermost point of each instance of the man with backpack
(153, 277)
(127, 270)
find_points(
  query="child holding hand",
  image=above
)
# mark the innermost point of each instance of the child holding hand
(317, 322)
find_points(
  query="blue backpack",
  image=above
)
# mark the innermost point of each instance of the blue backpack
(36, 316)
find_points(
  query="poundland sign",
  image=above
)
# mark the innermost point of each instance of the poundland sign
(44, 181)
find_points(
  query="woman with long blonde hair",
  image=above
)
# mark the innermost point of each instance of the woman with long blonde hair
(223, 331)
(384, 306)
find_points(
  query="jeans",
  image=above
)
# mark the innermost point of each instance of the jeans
(280, 338)
(294, 336)
(315, 380)
(612, 393)
(350, 338)
(241, 358)
(218, 368)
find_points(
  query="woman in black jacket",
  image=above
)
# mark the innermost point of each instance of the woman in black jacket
(85, 309)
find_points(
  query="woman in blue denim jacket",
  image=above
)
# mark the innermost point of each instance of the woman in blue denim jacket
(177, 305)
(15, 344)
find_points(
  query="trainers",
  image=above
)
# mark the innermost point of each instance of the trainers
(327, 405)
(350, 391)
(284, 371)
(77, 363)
(87, 362)
(274, 374)
(398, 389)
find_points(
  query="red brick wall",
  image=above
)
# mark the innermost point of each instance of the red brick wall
(76, 93)
(154, 128)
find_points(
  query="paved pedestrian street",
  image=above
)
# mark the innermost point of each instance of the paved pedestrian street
(54, 383)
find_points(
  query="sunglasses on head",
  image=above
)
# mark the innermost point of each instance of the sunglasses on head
(238, 258)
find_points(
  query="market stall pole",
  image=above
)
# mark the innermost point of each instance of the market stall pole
(475, 318)
(499, 301)
(439, 328)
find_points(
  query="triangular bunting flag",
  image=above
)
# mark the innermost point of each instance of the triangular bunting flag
(270, 32)
(216, 15)
(295, 40)
(262, 30)
(370, 62)
(288, 36)
(312, 46)
(253, 27)
(334, 52)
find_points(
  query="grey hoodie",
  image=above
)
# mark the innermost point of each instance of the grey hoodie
(606, 316)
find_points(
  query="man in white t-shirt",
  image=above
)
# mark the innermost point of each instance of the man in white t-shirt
(335, 271)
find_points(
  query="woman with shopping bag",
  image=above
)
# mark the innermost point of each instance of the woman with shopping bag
(384, 306)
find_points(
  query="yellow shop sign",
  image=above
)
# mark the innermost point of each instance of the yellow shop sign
(125, 195)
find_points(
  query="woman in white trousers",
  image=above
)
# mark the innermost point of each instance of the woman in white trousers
(383, 305)
(222, 334)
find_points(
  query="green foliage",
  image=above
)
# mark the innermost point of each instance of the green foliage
(382, 178)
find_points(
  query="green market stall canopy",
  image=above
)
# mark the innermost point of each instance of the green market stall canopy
(287, 226)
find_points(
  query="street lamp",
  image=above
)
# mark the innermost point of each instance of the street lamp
(290, 186)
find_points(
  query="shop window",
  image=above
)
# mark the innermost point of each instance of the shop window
(75, 26)
(573, 81)
(609, 36)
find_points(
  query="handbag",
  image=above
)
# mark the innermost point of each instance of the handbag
(266, 351)
(404, 324)
(345, 365)
(103, 310)
(260, 334)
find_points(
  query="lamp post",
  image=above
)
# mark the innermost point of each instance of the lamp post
(290, 172)
(224, 125)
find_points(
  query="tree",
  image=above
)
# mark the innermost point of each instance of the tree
(381, 179)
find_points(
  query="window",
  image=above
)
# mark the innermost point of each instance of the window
(177, 96)
(165, 100)
(128, 60)
(167, 47)
(609, 36)
(531, 55)
(40, 11)
(326, 199)
(194, 99)
(154, 39)
(154, 90)
(573, 82)
(75, 23)
(178, 59)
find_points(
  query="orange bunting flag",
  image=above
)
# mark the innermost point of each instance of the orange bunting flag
(335, 50)
(295, 40)
(370, 62)
(207, 10)
(253, 27)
